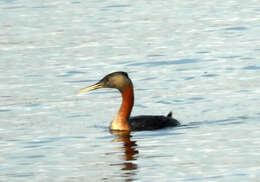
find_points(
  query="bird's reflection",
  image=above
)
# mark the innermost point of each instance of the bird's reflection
(130, 153)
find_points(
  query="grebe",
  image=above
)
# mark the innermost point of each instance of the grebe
(122, 120)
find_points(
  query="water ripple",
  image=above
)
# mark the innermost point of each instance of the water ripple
(162, 63)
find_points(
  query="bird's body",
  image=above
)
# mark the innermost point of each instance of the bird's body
(122, 120)
(151, 122)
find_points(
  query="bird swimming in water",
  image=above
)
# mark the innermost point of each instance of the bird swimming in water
(123, 121)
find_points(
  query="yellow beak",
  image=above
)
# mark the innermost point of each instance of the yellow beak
(92, 87)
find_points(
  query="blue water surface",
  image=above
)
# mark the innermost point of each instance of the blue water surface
(198, 59)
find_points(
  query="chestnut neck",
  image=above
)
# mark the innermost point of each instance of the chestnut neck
(120, 121)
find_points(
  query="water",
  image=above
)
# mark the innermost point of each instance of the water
(198, 59)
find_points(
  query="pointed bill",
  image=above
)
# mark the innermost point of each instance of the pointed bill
(92, 87)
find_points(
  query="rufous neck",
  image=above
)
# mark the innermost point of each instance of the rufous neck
(120, 121)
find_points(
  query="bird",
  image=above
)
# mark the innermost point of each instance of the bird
(122, 121)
